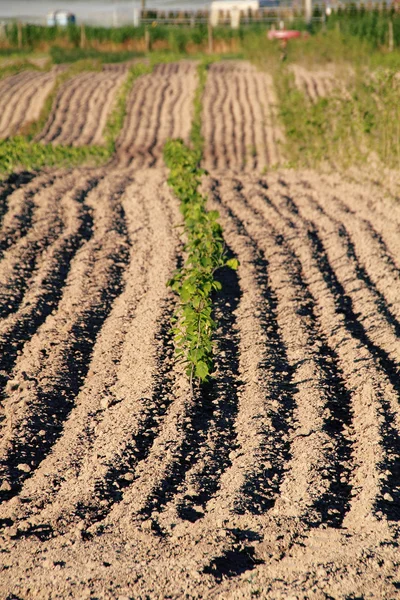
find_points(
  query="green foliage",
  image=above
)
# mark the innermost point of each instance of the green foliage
(205, 252)
(360, 120)
(70, 55)
(13, 69)
(194, 282)
(18, 152)
(323, 131)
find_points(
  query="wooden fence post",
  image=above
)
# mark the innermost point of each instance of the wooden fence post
(210, 38)
(83, 36)
(391, 36)
(147, 39)
(19, 32)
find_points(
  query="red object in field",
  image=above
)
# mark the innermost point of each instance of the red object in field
(283, 34)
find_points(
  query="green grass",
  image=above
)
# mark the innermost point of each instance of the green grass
(72, 55)
(19, 153)
(7, 70)
(352, 125)
(326, 131)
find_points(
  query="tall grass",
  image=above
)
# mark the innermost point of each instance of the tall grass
(357, 122)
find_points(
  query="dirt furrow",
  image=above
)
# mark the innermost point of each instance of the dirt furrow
(204, 429)
(373, 432)
(7, 187)
(101, 120)
(78, 112)
(314, 84)
(357, 288)
(49, 372)
(262, 158)
(10, 85)
(223, 125)
(74, 111)
(60, 110)
(253, 140)
(137, 148)
(246, 441)
(280, 477)
(127, 376)
(135, 112)
(45, 287)
(150, 115)
(22, 101)
(372, 262)
(244, 143)
(380, 190)
(18, 209)
(95, 112)
(313, 444)
(148, 157)
(209, 127)
(376, 210)
(81, 109)
(21, 259)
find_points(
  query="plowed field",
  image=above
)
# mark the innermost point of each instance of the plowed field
(160, 107)
(315, 84)
(81, 108)
(21, 99)
(240, 119)
(281, 479)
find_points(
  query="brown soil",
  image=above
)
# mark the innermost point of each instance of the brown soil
(240, 125)
(160, 107)
(22, 97)
(81, 108)
(281, 479)
(315, 84)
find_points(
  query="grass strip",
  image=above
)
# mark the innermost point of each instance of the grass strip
(14, 69)
(325, 131)
(19, 153)
(347, 127)
(205, 251)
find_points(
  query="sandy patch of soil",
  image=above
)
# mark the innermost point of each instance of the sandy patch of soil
(21, 99)
(160, 107)
(282, 479)
(82, 106)
(240, 119)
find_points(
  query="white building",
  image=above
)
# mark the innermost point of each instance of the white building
(231, 9)
(60, 17)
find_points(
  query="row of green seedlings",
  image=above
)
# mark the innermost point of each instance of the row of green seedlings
(205, 253)
(23, 152)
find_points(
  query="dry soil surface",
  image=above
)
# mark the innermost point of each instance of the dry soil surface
(81, 108)
(240, 119)
(315, 84)
(21, 99)
(281, 479)
(160, 107)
